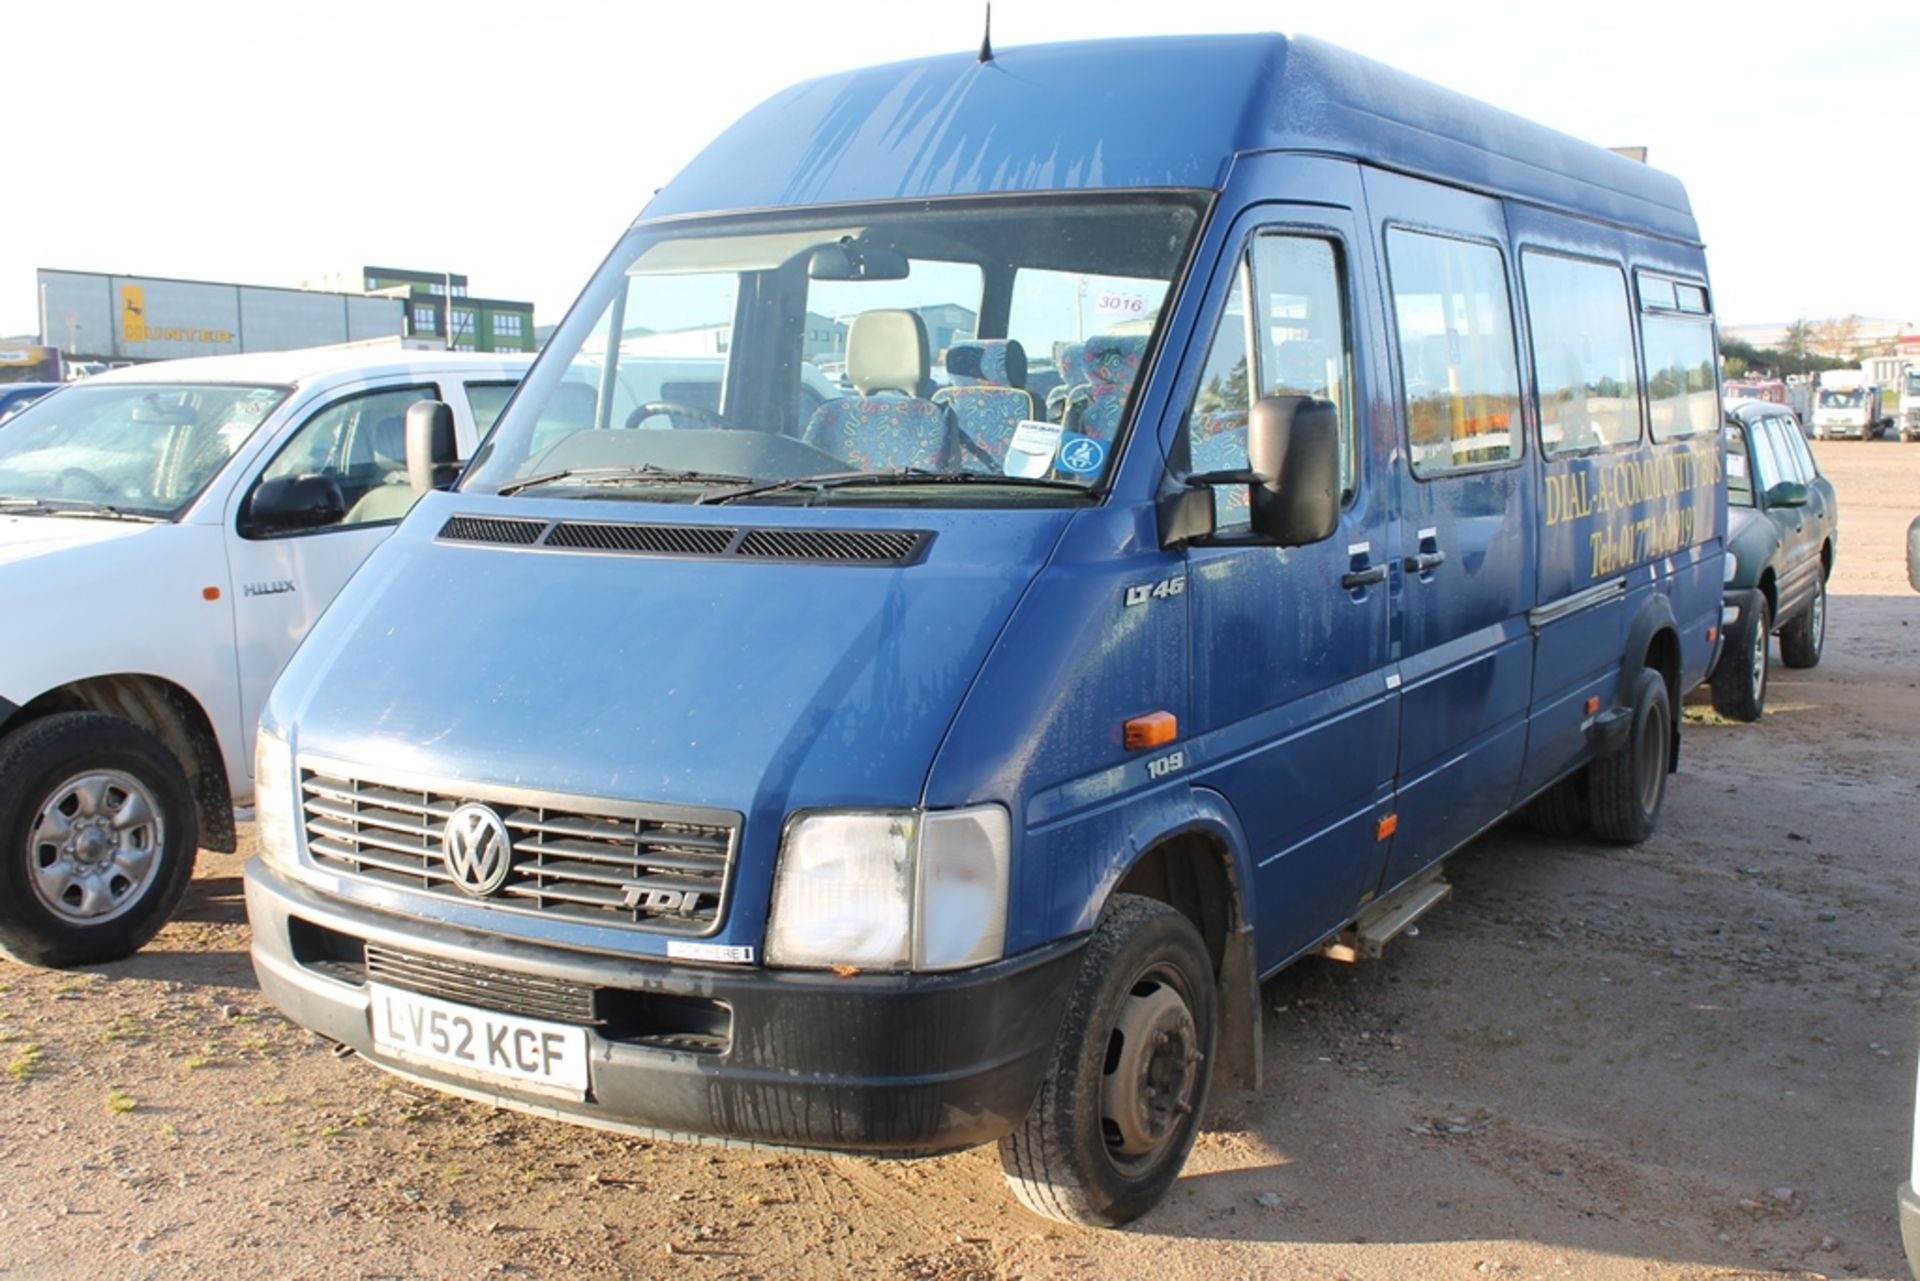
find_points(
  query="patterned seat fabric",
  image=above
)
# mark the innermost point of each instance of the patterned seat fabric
(1111, 362)
(986, 397)
(1218, 442)
(889, 424)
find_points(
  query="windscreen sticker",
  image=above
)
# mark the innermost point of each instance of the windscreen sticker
(1030, 453)
(1081, 455)
(1736, 465)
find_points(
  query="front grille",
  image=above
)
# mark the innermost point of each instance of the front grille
(665, 868)
(463, 984)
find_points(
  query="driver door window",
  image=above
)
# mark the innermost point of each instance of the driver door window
(360, 445)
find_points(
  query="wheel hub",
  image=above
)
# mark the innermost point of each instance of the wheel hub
(94, 846)
(1153, 1064)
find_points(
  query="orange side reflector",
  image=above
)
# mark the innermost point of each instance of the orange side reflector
(209, 593)
(1151, 730)
(1593, 705)
(1711, 633)
(1388, 826)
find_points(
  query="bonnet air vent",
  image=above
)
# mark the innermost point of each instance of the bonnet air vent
(888, 546)
(704, 542)
(492, 529)
(667, 540)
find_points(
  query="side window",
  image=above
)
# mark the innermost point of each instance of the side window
(360, 444)
(1769, 469)
(1683, 395)
(1583, 368)
(1796, 441)
(486, 400)
(1458, 372)
(1739, 468)
(1298, 328)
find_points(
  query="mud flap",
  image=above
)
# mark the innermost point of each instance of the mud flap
(1237, 1056)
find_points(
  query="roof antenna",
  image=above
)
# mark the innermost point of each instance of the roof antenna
(986, 37)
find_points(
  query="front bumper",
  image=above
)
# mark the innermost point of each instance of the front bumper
(879, 1064)
(1910, 1227)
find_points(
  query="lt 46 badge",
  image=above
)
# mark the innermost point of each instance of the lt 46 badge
(1141, 593)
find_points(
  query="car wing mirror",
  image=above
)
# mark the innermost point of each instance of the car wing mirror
(1292, 478)
(432, 453)
(1787, 493)
(291, 504)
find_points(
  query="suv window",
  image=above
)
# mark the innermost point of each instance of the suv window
(1769, 467)
(1739, 467)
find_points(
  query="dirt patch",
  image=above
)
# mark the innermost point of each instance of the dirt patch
(1694, 1059)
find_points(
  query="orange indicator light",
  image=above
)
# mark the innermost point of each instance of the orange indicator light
(209, 593)
(1388, 826)
(1152, 730)
(1593, 705)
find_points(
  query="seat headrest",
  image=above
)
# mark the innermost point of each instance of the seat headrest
(998, 362)
(1072, 363)
(388, 439)
(1113, 358)
(887, 351)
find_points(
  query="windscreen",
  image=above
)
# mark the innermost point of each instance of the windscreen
(1833, 398)
(878, 353)
(142, 449)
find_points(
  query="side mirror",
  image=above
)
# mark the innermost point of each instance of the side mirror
(290, 504)
(432, 453)
(1913, 554)
(1787, 493)
(1293, 451)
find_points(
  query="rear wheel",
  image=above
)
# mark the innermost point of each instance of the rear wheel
(1740, 681)
(1628, 785)
(1120, 1103)
(97, 838)
(1802, 639)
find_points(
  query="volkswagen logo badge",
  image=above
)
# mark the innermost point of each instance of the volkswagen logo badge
(476, 849)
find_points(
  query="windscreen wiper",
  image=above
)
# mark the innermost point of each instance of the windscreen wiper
(64, 507)
(646, 473)
(892, 476)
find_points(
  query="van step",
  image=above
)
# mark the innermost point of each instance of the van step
(1386, 920)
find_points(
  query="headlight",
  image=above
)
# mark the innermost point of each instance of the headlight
(1729, 569)
(891, 890)
(273, 798)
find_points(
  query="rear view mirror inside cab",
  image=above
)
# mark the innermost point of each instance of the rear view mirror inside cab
(852, 260)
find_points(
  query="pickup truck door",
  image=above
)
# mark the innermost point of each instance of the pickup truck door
(282, 581)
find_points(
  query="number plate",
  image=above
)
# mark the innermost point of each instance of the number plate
(549, 1058)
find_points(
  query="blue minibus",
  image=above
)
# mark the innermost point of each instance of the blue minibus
(1244, 474)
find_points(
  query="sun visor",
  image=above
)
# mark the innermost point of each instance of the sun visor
(697, 255)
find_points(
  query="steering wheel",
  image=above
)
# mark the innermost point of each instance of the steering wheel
(675, 409)
(100, 485)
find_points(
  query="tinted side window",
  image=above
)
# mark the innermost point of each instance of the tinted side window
(1683, 393)
(1458, 373)
(1796, 440)
(1583, 367)
(1769, 468)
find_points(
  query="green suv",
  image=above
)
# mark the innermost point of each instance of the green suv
(1782, 523)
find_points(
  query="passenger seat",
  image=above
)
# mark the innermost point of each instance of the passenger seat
(1111, 363)
(987, 396)
(890, 423)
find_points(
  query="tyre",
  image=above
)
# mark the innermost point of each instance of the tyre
(1740, 681)
(1561, 810)
(97, 838)
(1627, 786)
(1802, 639)
(1121, 1099)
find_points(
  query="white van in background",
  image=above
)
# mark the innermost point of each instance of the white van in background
(167, 535)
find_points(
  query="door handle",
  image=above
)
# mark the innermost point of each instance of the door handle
(1354, 580)
(1422, 562)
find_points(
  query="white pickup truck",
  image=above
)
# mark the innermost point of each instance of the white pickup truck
(168, 533)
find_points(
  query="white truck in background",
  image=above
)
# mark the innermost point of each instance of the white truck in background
(1910, 403)
(1846, 406)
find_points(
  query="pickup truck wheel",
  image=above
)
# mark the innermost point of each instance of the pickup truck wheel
(1740, 681)
(1627, 786)
(1120, 1103)
(97, 839)
(1802, 639)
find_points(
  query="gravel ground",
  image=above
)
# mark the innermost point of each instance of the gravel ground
(1693, 1059)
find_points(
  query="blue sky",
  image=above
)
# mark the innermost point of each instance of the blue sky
(272, 143)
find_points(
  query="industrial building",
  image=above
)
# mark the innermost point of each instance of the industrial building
(98, 316)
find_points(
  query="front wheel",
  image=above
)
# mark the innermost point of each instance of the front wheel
(1627, 786)
(97, 838)
(1802, 639)
(1740, 681)
(1119, 1106)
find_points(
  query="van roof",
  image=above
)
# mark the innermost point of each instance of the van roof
(1143, 113)
(305, 364)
